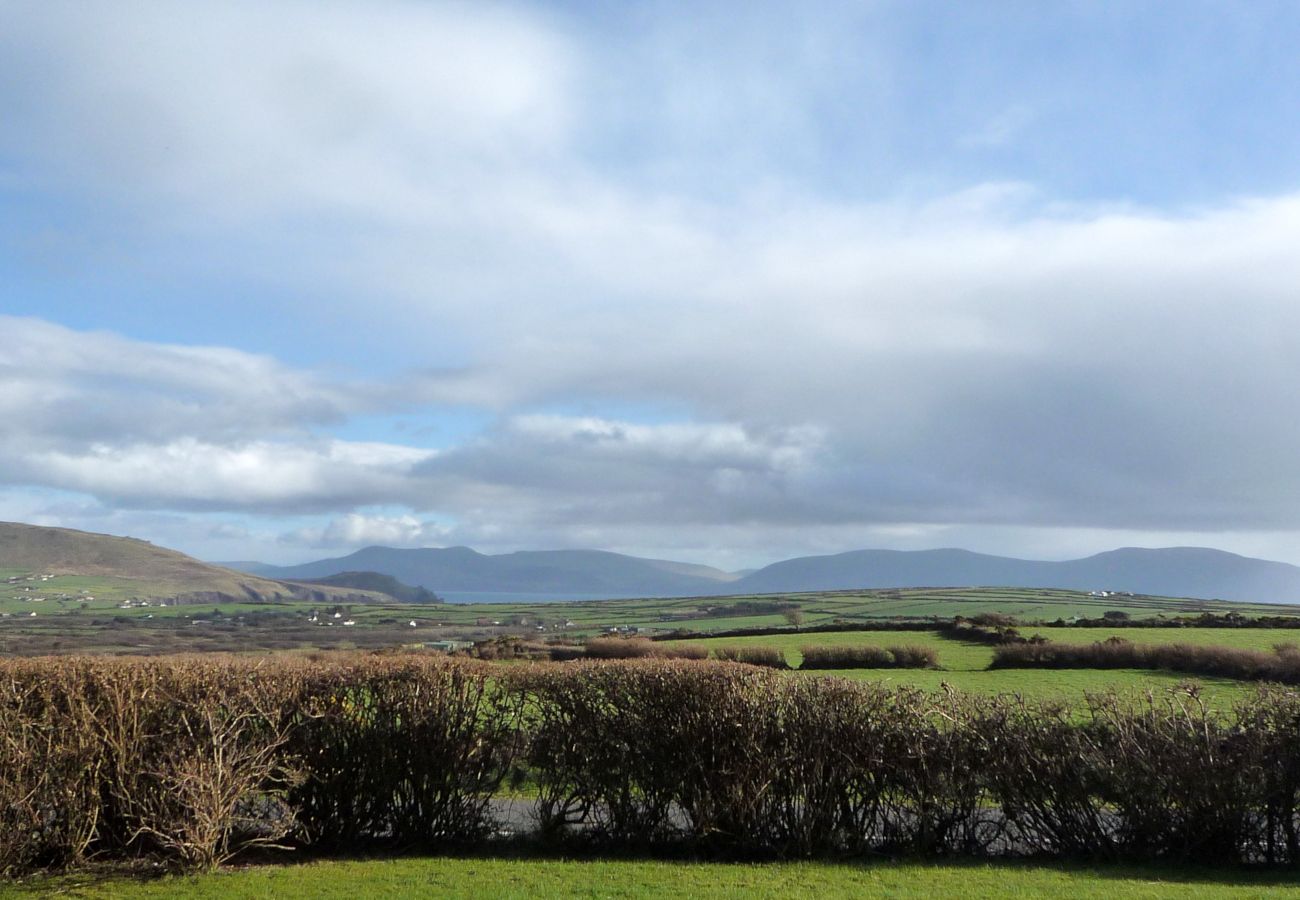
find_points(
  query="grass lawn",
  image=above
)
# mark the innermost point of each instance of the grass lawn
(506, 877)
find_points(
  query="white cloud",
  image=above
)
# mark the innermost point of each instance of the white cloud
(360, 530)
(258, 475)
(273, 109)
(976, 358)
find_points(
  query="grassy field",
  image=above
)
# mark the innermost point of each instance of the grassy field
(1244, 638)
(67, 619)
(1068, 684)
(965, 665)
(507, 877)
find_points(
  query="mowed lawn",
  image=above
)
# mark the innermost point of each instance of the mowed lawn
(508, 877)
(964, 666)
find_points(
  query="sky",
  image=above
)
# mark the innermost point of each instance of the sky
(720, 282)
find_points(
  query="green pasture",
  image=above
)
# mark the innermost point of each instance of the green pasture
(506, 877)
(1064, 684)
(964, 666)
(1243, 638)
(80, 624)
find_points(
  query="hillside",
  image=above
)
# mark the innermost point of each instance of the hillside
(132, 567)
(1173, 572)
(381, 584)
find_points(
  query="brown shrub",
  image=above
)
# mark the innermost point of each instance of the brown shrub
(191, 759)
(869, 657)
(863, 657)
(620, 648)
(49, 768)
(407, 750)
(682, 651)
(1281, 665)
(770, 657)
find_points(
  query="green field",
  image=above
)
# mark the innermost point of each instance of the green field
(1244, 638)
(67, 620)
(494, 877)
(964, 665)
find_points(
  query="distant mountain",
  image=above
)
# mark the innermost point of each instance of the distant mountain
(374, 581)
(148, 571)
(1172, 572)
(534, 571)
(1175, 572)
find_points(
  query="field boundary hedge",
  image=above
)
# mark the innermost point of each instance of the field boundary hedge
(1280, 665)
(190, 760)
(822, 656)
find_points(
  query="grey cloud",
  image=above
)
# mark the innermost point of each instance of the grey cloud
(987, 358)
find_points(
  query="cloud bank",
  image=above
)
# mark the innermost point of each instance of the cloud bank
(610, 255)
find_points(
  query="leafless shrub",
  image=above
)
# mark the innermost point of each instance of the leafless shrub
(869, 657)
(1281, 665)
(914, 657)
(188, 760)
(862, 657)
(620, 648)
(407, 751)
(770, 657)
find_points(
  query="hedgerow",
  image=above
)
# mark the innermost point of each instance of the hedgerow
(190, 760)
(1281, 665)
(820, 656)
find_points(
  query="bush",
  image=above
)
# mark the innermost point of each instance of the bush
(752, 656)
(752, 762)
(640, 648)
(864, 657)
(190, 760)
(620, 648)
(913, 657)
(167, 758)
(1281, 665)
(869, 657)
(407, 751)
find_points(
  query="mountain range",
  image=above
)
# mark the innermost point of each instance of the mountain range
(1175, 571)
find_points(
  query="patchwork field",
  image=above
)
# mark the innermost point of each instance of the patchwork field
(65, 614)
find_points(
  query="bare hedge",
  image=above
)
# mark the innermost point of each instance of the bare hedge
(189, 760)
(768, 657)
(640, 648)
(1281, 664)
(869, 657)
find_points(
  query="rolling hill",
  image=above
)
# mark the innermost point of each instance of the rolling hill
(1172, 572)
(135, 567)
